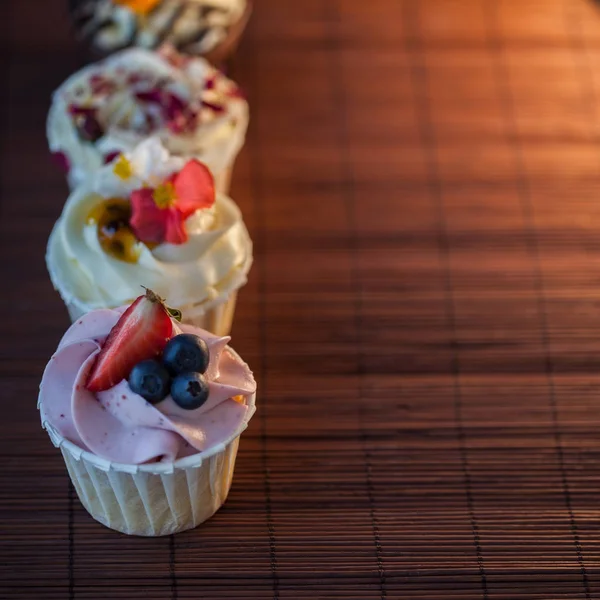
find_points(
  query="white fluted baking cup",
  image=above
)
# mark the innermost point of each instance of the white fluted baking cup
(152, 499)
(216, 317)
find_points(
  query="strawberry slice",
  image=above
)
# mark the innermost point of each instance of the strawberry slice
(141, 333)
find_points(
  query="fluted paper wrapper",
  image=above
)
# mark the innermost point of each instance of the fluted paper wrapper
(216, 318)
(156, 499)
(229, 45)
(223, 179)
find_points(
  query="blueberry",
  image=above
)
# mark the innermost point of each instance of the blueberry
(189, 390)
(150, 380)
(186, 353)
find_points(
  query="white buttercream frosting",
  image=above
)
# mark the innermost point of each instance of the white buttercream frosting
(212, 136)
(212, 263)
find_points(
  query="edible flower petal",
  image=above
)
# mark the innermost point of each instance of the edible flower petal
(194, 188)
(110, 156)
(140, 7)
(158, 215)
(147, 220)
(62, 160)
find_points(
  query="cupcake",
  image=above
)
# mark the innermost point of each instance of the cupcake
(147, 413)
(110, 107)
(151, 219)
(211, 28)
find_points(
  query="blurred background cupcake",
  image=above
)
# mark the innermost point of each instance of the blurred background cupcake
(210, 28)
(151, 219)
(109, 107)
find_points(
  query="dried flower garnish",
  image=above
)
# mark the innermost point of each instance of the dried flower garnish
(86, 123)
(108, 158)
(158, 215)
(101, 85)
(140, 7)
(218, 108)
(178, 115)
(123, 169)
(62, 160)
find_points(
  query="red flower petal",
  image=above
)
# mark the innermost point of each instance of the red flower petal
(176, 233)
(148, 222)
(194, 188)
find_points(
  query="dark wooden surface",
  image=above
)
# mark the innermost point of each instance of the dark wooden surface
(422, 183)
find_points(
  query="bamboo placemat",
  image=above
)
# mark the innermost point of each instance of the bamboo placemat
(422, 184)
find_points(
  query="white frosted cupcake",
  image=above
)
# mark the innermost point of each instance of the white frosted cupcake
(211, 28)
(151, 219)
(113, 105)
(147, 413)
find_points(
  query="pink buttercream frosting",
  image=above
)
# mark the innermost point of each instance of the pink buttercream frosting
(121, 426)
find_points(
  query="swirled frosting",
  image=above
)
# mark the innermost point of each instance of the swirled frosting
(194, 26)
(210, 264)
(111, 106)
(119, 425)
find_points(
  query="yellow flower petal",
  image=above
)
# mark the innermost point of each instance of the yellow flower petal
(122, 168)
(140, 7)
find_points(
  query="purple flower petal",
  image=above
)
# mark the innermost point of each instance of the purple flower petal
(108, 158)
(154, 96)
(61, 160)
(75, 110)
(88, 128)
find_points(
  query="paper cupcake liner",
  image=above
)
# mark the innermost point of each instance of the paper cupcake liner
(223, 179)
(217, 320)
(155, 499)
(216, 317)
(229, 45)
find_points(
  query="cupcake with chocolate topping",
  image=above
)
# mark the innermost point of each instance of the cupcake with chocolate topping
(147, 413)
(210, 28)
(151, 219)
(109, 107)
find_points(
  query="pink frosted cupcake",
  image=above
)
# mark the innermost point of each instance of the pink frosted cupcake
(147, 413)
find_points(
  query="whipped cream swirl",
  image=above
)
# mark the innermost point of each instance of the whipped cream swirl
(121, 426)
(197, 274)
(111, 106)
